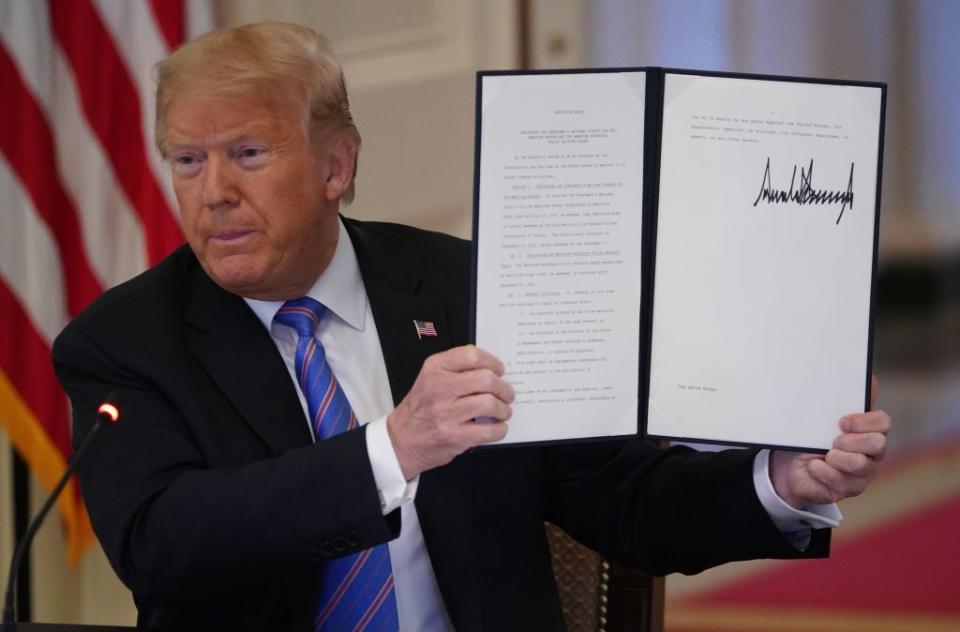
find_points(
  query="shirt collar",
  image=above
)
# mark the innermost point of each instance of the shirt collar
(339, 288)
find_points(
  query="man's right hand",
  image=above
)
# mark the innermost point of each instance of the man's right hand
(434, 422)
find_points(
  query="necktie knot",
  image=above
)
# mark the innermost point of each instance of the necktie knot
(303, 314)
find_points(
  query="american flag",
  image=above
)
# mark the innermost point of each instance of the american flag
(85, 200)
(424, 328)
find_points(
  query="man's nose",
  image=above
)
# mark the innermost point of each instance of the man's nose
(219, 186)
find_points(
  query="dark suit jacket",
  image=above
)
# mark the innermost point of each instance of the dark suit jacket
(215, 508)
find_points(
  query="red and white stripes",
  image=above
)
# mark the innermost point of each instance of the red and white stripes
(85, 200)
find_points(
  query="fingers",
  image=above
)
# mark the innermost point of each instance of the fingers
(865, 433)
(844, 471)
(477, 389)
(872, 444)
(446, 394)
(873, 421)
(484, 381)
(853, 464)
(839, 484)
(480, 405)
(467, 358)
(477, 434)
(434, 423)
(848, 468)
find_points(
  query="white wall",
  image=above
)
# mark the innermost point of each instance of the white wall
(912, 46)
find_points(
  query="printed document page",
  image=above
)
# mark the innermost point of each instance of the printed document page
(558, 236)
(764, 259)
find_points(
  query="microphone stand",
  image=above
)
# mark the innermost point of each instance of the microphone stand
(9, 612)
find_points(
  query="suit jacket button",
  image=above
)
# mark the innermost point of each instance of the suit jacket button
(327, 549)
(315, 555)
(353, 539)
(340, 544)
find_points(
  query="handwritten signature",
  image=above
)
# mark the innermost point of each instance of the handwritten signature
(806, 194)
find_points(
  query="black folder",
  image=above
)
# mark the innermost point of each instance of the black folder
(684, 254)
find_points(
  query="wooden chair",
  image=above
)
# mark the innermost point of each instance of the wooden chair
(597, 595)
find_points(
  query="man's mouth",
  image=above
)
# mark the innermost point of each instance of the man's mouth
(228, 236)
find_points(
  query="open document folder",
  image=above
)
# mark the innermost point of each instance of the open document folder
(687, 254)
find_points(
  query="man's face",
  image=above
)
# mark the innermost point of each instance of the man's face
(258, 200)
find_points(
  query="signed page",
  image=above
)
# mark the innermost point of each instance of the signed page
(558, 232)
(764, 259)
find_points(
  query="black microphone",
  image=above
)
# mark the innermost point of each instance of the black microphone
(109, 411)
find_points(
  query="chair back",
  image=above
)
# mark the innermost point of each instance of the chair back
(601, 596)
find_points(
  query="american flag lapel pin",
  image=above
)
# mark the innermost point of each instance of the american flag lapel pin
(424, 328)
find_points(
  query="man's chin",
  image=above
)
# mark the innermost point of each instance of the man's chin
(239, 277)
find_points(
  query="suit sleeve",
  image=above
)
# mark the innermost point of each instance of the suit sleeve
(674, 510)
(178, 530)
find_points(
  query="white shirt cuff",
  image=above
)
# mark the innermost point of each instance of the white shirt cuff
(783, 515)
(394, 490)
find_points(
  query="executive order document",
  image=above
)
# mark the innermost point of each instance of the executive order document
(764, 259)
(559, 248)
(755, 207)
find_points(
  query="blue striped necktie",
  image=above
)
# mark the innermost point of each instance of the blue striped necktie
(357, 590)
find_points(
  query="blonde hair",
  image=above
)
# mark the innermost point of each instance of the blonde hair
(269, 60)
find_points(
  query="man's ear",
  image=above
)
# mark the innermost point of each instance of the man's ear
(343, 166)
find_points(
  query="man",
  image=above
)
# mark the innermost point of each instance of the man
(282, 323)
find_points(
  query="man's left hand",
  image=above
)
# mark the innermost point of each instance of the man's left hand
(846, 470)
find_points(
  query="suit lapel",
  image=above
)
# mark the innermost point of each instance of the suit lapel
(231, 343)
(394, 312)
(444, 497)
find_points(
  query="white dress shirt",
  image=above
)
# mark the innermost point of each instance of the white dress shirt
(349, 337)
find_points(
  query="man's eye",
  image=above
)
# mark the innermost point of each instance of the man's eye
(186, 164)
(250, 156)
